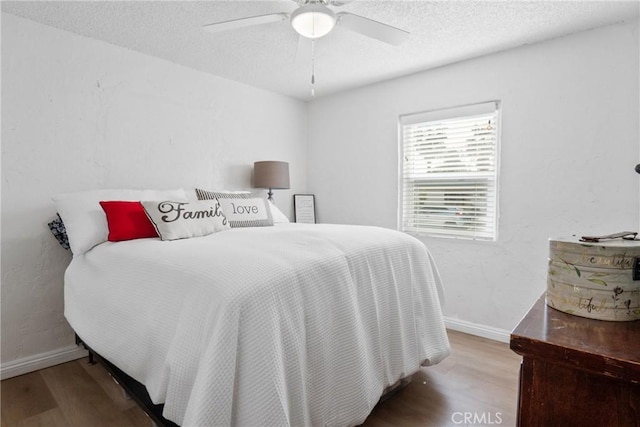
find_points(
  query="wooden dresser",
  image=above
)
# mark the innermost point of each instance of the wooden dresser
(577, 371)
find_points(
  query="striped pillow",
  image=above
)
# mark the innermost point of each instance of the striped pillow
(241, 209)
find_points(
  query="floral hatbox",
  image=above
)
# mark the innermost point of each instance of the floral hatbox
(596, 279)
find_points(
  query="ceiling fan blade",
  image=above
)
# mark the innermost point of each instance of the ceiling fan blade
(244, 22)
(370, 28)
(303, 51)
(340, 2)
(331, 2)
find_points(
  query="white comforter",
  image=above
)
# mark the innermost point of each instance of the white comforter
(287, 325)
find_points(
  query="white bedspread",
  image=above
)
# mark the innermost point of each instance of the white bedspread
(286, 325)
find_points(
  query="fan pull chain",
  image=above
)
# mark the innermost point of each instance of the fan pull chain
(313, 68)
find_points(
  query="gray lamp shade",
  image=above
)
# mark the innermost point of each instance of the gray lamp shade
(271, 174)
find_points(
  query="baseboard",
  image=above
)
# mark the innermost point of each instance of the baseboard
(41, 361)
(484, 331)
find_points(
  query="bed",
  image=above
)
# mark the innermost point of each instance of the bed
(292, 324)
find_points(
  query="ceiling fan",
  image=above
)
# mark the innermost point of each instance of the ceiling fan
(314, 19)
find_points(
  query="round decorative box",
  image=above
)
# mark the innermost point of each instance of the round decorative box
(599, 280)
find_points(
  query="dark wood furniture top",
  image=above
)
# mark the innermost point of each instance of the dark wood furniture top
(577, 371)
(598, 346)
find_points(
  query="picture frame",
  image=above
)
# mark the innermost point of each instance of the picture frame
(304, 208)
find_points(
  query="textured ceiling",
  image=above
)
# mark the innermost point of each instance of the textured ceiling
(442, 32)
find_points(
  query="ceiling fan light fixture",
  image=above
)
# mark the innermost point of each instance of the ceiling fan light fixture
(313, 20)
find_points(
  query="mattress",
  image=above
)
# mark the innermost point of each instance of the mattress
(296, 324)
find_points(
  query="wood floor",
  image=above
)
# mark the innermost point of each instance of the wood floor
(478, 381)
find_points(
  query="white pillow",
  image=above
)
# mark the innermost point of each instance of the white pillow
(85, 220)
(182, 220)
(278, 216)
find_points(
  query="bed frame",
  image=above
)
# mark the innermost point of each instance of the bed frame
(138, 392)
(131, 388)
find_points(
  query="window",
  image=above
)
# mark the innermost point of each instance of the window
(448, 172)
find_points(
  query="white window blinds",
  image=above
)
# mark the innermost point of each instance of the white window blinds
(449, 166)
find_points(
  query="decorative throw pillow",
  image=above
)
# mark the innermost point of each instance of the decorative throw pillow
(127, 221)
(86, 222)
(182, 220)
(59, 232)
(241, 209)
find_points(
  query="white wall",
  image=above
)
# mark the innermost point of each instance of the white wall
(570, 119)
(79, 114)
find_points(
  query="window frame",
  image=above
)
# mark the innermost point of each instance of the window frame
(493, 107)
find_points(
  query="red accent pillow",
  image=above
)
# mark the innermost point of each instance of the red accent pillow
(127, 221)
